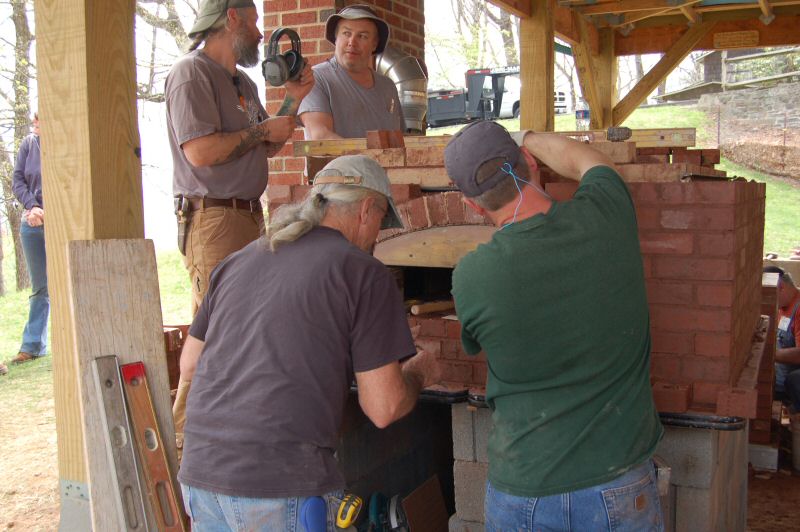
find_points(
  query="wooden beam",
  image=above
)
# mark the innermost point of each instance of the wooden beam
(657, 39)
(536, 40)
(606, 76)
(520, 8)
(565, 28)
(655, 75)
(587, 74)
(625, 6)
(690, 13)
(91, 173)
(438, 247)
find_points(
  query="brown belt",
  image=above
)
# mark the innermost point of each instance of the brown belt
(245, 205)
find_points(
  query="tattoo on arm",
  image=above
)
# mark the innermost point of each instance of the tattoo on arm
(253, 136)
(289, 106)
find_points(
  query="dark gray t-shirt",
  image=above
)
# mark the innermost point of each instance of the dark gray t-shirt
(355, 110)
(284, 333)
(202, 99)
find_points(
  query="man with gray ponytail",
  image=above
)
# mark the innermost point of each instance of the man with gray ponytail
(220, 137)
(287, 324)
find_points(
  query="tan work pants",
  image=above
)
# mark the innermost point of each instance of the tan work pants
(214, 233)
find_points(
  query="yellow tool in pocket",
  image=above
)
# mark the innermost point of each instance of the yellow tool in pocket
(349, 511)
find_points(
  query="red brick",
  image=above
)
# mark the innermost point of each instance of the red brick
(417, 214)
(283, 178)
(736, 402)
(435, 206)
(404, 193)
(677, 343)
(694, 218)
(279, 193)
(302, 17)
(648, 217)
(713, 345)
(455, 208)
(452, 349)
(696, 369)
(306, 4)
(674, 398)
(561, 191)
(297, 164)
(665, 367)
(453, 328)
(706, 392)
(278, 6)
(434, 327)
(669, 293)
(299, 193)
(715, 244)
(672, 243)
(479, 373)
(679, 319)
(457, 372)
(721, 192)
(715, 295)
(276, 165)
(670, 267)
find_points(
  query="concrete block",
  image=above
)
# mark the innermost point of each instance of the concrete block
(463, 433)
(458, 525)
(691, 453)
(694, 510)
(483, 425)
(470, 484)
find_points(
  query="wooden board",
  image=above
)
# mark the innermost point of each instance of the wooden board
(633, 173)
(619, 152)
(437, 247)
(115, 305)
(424, 508)
(434, 177)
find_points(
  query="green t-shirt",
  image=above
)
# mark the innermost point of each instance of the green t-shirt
(558, 304)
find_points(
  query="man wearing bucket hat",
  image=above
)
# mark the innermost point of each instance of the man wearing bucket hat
(349, 97)
(557, 302)
(220, 137)
(287, 323)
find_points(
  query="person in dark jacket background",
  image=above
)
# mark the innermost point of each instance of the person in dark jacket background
(27, 187)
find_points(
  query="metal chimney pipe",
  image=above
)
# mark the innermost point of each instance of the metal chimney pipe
(412, 85)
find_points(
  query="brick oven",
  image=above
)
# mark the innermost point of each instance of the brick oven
(702, 238)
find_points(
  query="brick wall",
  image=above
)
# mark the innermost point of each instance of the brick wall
(761, 426)
(406, 19)
(702, 245)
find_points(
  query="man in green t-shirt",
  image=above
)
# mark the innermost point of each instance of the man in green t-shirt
(557, 302)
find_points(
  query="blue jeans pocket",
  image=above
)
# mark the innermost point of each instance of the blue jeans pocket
(635, 507)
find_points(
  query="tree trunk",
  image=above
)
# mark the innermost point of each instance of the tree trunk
(19, 100)
(637, 59)
(2, 277)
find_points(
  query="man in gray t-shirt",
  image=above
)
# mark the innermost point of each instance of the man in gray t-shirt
(349, 97)
(287, 324)
(220, 137)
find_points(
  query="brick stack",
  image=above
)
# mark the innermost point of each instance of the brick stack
(406, 19)
(761, 426)
(702, 244)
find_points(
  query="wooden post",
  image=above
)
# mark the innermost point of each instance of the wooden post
(92, 181)
(537, 49)
(587, 72)
(606, 80)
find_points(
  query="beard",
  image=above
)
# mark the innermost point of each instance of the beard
(247, 52)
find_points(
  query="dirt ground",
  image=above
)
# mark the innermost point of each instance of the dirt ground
(29, 473)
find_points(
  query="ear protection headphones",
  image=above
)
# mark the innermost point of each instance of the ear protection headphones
(279, 68)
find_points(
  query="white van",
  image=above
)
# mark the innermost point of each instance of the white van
(509, 107)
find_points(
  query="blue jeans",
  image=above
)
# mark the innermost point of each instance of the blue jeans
(34, 337)
(215, 512)
(627, 503)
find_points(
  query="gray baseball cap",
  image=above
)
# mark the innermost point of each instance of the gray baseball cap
(210, 10)
(357, 11)
(362, 171)
(474, 145)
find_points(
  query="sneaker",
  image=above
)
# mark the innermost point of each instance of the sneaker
(3, 369)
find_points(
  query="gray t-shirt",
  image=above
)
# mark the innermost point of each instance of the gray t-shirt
(283, 334)
(202, 99)
(355, 110)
